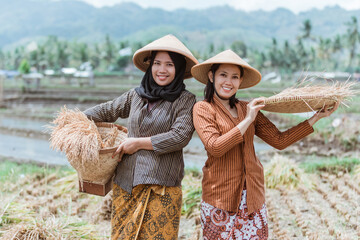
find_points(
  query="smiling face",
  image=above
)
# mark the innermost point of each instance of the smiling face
(163, 69)
(227, 80)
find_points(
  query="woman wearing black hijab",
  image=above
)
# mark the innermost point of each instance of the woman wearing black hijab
(147, 192)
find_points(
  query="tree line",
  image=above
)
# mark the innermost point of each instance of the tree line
(307, 52)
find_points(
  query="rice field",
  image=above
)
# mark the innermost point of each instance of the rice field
(312, 187)
(45, 204)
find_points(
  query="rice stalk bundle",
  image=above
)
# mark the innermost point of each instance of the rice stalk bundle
(76, 136)
(88, 145)
(52, 228)
(22, 232)
(306, 97)
(284, 172)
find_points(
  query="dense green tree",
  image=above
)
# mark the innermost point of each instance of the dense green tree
(62, 55)
(80, 52)
(2, 60)
(24, 67)
(122, 62)
(240, 48)
(18, 56)
(211, 50)
(95, 58)
(34, 59)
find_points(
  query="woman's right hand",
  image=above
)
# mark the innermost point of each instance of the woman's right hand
(253, 108)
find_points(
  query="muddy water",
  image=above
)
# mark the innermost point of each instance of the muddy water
(36, 149)
(30, 149)
(23, 123)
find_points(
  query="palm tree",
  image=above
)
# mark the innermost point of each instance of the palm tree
(336, 49)
(95, 57)
(275, 54)
(306, 30)
(302, 55)
(324, 50)
(353, 37)
(109, 50)
(80, 52)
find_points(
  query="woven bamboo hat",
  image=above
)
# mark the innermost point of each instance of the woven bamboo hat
(251, 75)
(167, 43)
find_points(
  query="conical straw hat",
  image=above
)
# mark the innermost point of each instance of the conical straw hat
(251, 75)
(167, 43)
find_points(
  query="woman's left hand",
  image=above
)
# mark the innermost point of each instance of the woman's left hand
(132, 145)
(128, 146)
(324, 112)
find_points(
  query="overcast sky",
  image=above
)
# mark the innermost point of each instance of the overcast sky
(247, 5)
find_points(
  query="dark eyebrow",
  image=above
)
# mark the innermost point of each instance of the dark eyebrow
(156, 60)
(223, 71)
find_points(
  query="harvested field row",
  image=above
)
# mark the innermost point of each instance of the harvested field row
(329, 209)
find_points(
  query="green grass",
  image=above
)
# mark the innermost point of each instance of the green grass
(191, 192)
(332, 165)
(12, 171)
(353, 106)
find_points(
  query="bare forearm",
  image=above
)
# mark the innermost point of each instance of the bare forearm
(244, 125)
(144, 143)
(313, 120)
(325, 112)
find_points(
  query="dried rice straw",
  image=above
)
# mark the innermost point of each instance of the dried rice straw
(310, 97)
(75, 135)
(88, 145)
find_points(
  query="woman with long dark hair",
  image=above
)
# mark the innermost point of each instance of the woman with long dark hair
(233, 194)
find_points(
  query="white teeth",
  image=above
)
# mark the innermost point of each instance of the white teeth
(227, 88)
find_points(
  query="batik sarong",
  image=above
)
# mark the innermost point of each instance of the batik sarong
(149, 212)
(220, 224)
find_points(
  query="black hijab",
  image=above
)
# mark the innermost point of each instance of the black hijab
(151, 91)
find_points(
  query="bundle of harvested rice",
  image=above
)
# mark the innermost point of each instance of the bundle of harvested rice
(21, 232)
(64, 227)
(75, 135)
(284, 172)
(307, 98)
(88, 145)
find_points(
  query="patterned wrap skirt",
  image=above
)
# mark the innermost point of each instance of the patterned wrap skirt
(149, 212)
(220, 224)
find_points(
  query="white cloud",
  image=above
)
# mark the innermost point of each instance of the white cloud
(295, 6)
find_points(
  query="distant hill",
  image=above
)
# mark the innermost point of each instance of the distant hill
(24, 20)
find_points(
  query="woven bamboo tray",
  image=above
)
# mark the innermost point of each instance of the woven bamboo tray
(297, 104)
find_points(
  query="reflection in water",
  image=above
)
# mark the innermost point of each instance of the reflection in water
(38, 149)
(21, 123)
(30, 149)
